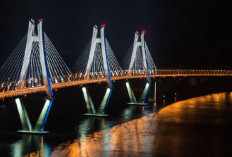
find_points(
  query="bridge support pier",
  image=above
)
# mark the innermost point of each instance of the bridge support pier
(142, 98)
(90, 106)
(25, 120)
(152, 97)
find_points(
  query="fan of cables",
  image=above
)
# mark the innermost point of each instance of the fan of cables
(151, 64)
(97, 69)
(138, 67)
(58, 70)
(11, 69)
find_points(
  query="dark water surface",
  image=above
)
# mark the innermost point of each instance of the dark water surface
(199, 126)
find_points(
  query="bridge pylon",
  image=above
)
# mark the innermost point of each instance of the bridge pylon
(140, 65)
(98, 45)
(35, 39)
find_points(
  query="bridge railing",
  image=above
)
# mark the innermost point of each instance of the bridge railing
(136, 73)
(192, 72)
(120, 74)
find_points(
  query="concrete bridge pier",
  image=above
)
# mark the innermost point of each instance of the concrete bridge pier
(90, 106)
(25, 120)
(153, 92)
(142, 99)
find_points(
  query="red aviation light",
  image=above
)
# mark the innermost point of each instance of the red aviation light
(104, 25)
(41, 19)
(143, 31)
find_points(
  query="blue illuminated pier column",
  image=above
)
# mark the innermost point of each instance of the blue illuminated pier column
(25, 120)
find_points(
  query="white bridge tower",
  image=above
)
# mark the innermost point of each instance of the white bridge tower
(94, 42)
(33, 38)
(139, 46)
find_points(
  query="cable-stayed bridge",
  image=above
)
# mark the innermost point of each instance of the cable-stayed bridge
(36, 66)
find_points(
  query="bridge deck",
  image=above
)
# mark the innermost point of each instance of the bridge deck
(159, 73)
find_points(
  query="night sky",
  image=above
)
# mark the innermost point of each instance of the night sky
(180, 34)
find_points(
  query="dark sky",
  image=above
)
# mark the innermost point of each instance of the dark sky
(180, 34)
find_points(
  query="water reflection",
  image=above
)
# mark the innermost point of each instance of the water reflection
(128, 138)
(196, 125)
(167, 134)
(31, 145)
(91, 125)
(185, 128)
(129, 111)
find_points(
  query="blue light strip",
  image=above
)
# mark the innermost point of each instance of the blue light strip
(146, 92)
(148, 73)
(107, 59)
(46, 66)
(46, 117)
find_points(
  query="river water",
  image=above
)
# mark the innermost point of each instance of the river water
(200, 126)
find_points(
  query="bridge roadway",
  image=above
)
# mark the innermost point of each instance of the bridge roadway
(153, 74)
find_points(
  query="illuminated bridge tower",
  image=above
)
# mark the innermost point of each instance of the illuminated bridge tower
(97, 62)
(32, 67)
(32, 40)
(141, 65)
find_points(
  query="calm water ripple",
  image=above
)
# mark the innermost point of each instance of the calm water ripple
(199, 126)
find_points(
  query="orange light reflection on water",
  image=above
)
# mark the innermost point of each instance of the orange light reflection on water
(164, 134)
(127, 138)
